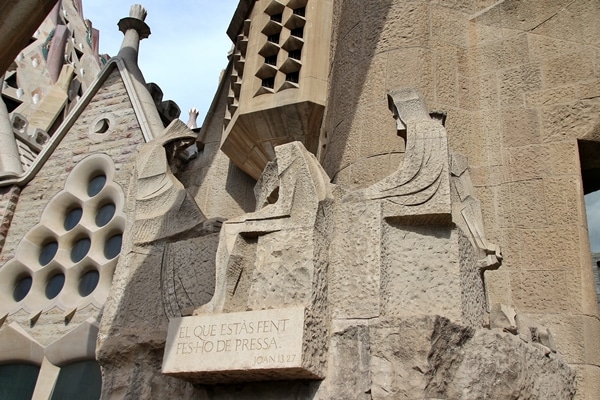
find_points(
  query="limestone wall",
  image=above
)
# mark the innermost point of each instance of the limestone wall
(120, 143)
(519, 82)
(219, 187)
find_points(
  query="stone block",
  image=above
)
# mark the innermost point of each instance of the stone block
(520, 127)
(445, 63)
(283, 272)
(518, 15)
(399, 357)
(515, 82)
(379, 134)
(488, 91)
(411, 67)
(406, 25)
(568, 68)
(526, 210)
(468, 92)
(367, 171)
(499, 365)
(576, 22)
(562, 199)
(569, 121)
(558, 95)
(588, 382)
(467, 62)
(536, 244)
(354, 283)
(591, 325)
(464, 129)
(543, 47)
(246, 346)
(503, 206)
(505, 53)
(371, 89)
(498, 286)
(349, 362)
(448, 26)
(418, 274)
(538, 291)
(542, 161)
(189, 273)
(588, 89)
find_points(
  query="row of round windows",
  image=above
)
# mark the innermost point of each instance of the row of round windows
(103, 216)
(87, 284)
(80, 249)
(88, 280)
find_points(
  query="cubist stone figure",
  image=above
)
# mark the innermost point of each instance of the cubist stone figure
(420, 186)
(271, 265)
(290, 194)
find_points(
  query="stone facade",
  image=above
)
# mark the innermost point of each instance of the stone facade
(392, 211)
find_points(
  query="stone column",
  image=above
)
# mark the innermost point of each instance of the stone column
(9, 155)
(135, 29)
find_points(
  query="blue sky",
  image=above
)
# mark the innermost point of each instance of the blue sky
(186, 51)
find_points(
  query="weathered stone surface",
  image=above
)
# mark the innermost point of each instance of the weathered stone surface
(422, 266)
(433, 358)
(399, 357)
(348, 364)
(494, 365)
(355, 261)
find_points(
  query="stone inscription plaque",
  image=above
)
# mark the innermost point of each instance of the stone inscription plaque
(241, 346)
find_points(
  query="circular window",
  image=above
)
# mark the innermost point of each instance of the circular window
(96, 184)
(88, 282)
(105, 214)
(80, 249)
(72, 218)
(102, 126)
(55, 285)
(112, 248)
(22, 288)
(48, 252)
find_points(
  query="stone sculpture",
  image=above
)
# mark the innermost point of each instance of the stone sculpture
(164, 209)
(273, 259)
(466, 212)
(420, 185)
(301, 186)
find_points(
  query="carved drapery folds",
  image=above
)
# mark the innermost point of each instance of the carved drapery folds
(420, 186)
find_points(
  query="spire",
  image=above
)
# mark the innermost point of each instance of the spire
(135, 29)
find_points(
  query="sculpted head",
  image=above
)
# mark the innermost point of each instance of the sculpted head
(407, 105)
